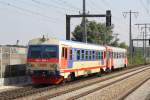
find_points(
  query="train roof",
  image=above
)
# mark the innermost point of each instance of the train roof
(116, 49)
(76, 44)
(83, 45)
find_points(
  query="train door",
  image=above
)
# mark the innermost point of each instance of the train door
(64, 57)
(70, 60)
(109, 59)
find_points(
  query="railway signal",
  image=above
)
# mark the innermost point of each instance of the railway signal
(108, 18)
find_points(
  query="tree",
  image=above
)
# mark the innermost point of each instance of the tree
(123, 45)
(97, 33)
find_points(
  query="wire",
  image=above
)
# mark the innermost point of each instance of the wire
(93, 5)
(50, 5)
(68, 4)
(144, 6)
(29, 11)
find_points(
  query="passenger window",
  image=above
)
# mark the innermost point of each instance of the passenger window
(65, 53)
(117, 55)
(93, 55)
(99, 55)
(96, 55)
(82, 54)
(70, 54)
(90, 55)
(78, 54)
(102, 54)
(86, 57)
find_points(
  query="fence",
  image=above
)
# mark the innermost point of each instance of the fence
(12, 61)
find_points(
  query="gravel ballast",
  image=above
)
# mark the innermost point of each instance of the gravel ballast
(102, 93)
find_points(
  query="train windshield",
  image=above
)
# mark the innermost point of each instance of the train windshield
(42, 51)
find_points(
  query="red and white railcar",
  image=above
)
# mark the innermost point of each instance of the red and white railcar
(52, 61)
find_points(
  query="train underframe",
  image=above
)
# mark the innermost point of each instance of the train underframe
(46, 77)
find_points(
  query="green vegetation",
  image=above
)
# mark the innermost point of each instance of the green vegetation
(138, 58)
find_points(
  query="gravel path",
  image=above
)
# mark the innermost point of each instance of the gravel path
(95, 95)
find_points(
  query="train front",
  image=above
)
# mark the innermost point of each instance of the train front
(43, 62)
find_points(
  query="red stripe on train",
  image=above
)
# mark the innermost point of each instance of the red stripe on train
(74, 70)
(54, 60)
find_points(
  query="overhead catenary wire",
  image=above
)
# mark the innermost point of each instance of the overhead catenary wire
(67, 4)
(94, 6)
(54, 20)
(144, 7)
(51, 5)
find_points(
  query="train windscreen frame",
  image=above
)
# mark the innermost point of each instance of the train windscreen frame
(43, 51)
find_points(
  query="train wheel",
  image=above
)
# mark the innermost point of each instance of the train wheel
(108, 70)
(71, 77)
(125, 65)
(112, 68)
(99, 74)
(64, 81)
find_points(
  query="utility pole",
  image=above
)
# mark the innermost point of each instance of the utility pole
(145, 26)
(130, 32)
(84, 22)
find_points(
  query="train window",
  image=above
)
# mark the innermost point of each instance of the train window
(96, 55)
(65, 53)
(120, 55)
(82, 54)
(116, 54)
(49, 52)
(78, 54)
(90, 55)
(104, 54)
(99, 55)
(70, 54)
(93, 55)
(86, 55)
(113, 54)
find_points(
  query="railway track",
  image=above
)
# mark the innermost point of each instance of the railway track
(88, 89)
(77, 85)
(53, 91)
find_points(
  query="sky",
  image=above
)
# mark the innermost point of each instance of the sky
(27, 19)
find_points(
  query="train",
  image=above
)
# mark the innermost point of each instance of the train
(53, 61)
